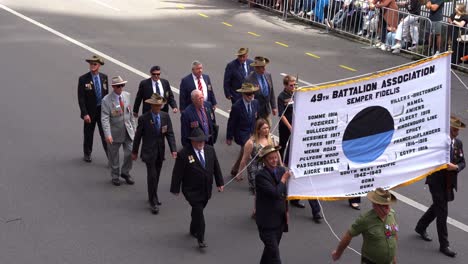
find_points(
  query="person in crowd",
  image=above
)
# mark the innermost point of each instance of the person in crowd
(458, 20)
(154, 85)
(338, 20)
(196, 81)
(195, 167)
(390, 40)
(235, 73)
(389, 11)
(198, 114)
(379, 230)
(119, 127)
(241, 122)
(92, 87)
(153, 127)
(436, 15)
(272, 208)
(409, 25)
(266, 94)
(442, 185)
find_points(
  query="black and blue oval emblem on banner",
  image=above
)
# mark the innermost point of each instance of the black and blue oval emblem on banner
(367, 136)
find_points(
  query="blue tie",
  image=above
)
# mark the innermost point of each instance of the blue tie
(202, 160)
(97, 88)
(265, 90)
(205, 124)
(245, 69)
(157, 88)
(249, 110)
(156, 124)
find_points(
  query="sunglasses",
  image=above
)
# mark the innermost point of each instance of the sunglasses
(249, 94)
(155, 74)
(120, 85)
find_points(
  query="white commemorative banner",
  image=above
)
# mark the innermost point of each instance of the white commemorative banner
(382, 130)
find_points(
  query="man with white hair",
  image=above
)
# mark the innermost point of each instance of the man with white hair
(196, 81)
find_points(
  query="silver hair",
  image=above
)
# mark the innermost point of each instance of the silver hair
(194, 93)
(195, 63)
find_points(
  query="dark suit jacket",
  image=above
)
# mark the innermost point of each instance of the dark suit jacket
(87, 93)
(240, 126)
(266, 103)
(271, 199)
(153, 146)
(145, 90)
(190, 120)
(234, 77)
(187, 85)
(195, 180)
(438, 180)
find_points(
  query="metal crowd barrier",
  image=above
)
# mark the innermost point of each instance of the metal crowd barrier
(455, 39)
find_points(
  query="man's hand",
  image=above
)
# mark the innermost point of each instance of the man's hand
(335, 255)
(109, 140)
(274, 111)
(176, 194)
(285, 176)
(214, 107)
(452, 167)
(175, 110)
(134, 156)
(221, 188)
(229, 142)
(428, 5)
(174, 155)
(135, 115)
(229, 97)
(87, 119)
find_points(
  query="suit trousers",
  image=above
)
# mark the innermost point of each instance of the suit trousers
(271, 238)
(153, 170)
(315, 206)
(439, 210)
(235, 168)
(88, 132)
(197, 225)
(114, 160)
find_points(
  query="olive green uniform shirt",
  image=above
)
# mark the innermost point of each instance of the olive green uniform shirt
(379, 241)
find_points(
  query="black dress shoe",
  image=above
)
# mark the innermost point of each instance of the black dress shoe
(158, 203)
(154, 209)
(128, 179)
(317, 218)
(448, 252)
(116, 182)
(355, 206)
(202, 244)
(297, 203)
(87, 158)
(423, 235)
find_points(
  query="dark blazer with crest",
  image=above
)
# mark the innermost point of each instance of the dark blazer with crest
(87, 93)
(234, 77)
(187, 85)
(145, 90)
(196, 181)
(438, 180)
(153, 146)
(271, 204)
(240, 125)
(266, 103)
(190, 120)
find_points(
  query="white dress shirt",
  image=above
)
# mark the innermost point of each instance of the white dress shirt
(205, 88)
(161, 91)
(200, 152)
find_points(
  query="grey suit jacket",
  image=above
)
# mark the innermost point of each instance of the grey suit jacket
(117, 122)
(266, 103)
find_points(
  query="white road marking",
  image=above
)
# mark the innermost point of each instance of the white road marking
(402, 198)
(106, 5)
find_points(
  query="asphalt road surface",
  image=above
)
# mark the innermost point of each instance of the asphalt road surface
(54, 208)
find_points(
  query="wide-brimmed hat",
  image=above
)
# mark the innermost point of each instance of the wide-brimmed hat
(267, 150)
(260, 61)
(381, 196)
(156, 99)
(96, 59)
(197, 135)
(118, 80)
(456, 122)
(242, 51)
(247, 88)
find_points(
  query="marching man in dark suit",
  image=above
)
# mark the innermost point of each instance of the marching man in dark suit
(441, 185)
(266, 94)
(235, 73)
(92, 87)
(153, 127)
(198, 114)
(154, 85)
(271, 215)
(196, 81)
(195, 167)
(241, 122)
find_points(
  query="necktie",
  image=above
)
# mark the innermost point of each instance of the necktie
(204, 123)
(97, 88)
(245, 69)
(157, 88)
(121, 104)
(249, 110)
(156, 124)
(202, 160)
(265, 91)
(200, 87)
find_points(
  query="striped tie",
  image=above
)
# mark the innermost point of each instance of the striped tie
(200, 87)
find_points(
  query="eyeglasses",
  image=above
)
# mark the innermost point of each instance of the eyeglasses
(120, 85)
(249, 94)
(155, 74)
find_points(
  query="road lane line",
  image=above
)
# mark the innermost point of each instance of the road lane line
(202, 15)
(348, 68)
(281, 44)
(312, 55)
(106, 5)
(227, 24)
(402, 198)
(180, 6)
(253, 34)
